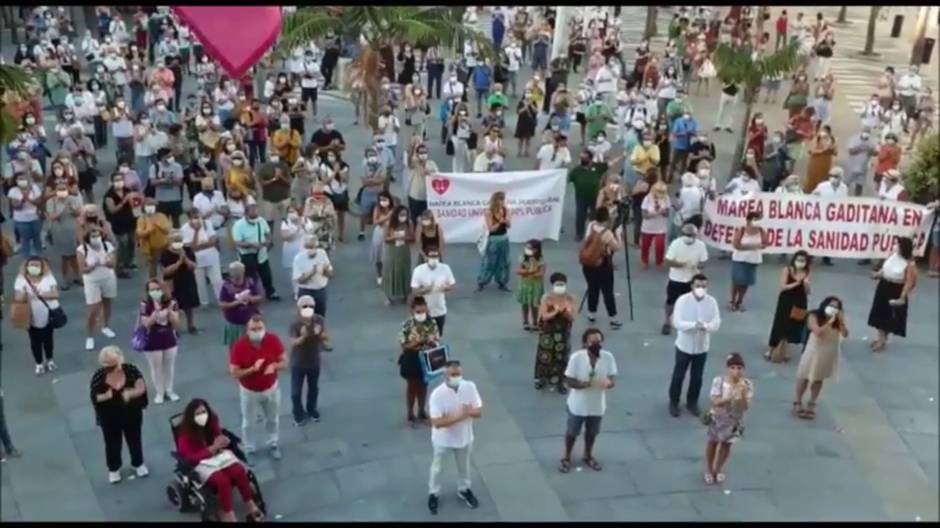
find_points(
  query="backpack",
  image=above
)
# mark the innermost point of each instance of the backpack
(593, 250)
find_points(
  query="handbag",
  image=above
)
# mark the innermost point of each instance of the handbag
(220, 460)
(139, 337)
(708, 417)
(797, 313)
(57, 317)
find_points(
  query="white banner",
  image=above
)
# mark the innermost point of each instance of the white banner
(535, 200)
(824, 227)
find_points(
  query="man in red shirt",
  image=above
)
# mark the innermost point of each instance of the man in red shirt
(254, 360)
(781, 30)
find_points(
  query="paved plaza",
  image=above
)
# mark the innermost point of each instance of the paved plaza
(871, 454)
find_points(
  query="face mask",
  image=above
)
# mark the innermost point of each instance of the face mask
(306, 313)
(161, 108)
(30, 120)
(433, 262)
(831, 311)
(34, 270)
(22, 184)
(62, 194)
(150, 209)
(688, 239)
(422, 157)
(372, 160)
(594, 348)
(799, 264)
(58, 171)
(454, 382)
(529, 252)
(238, 162)
(201, 419)
(698, 292)
(95, 241)
(421, 317)
(156, 295)
(559, 289)
(403, 218)
(256, 337)
(118, 185)
(176, 246)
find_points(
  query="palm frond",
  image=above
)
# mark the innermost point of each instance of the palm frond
(741, 66)
(16, 89)
(306, 25)
(14, 79)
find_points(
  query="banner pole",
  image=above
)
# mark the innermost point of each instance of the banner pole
(624, 218)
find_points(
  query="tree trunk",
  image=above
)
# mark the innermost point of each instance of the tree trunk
(843, 14)
(650, 30)
(870, 36)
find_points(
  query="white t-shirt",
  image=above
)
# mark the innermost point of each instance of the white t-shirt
(445, 400)
(693, 255)
(387, 126)
(236, 208)
(545, 153)
(28, 212)
(658, 224)
(207, 257)
(439, 277)
(826, 190)
(743, 186)
(209, 207)
(98, 256)
(46, 285)
(514, 54)
(304, 263)
(590, 401)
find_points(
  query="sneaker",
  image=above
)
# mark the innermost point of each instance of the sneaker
(591, 318)
(673, 410)
(158, 399)
(40, 369)
(615, 324)
(142, 470)
(666, 329)
(107, 332)
(378, 280)
(300, 422)
(274, 297)
(14, 453)
(432, 504)
(361, 236)
(50, 366)
(89, 343)
(173, 396)
(114, 477)
(315, 416)
(276, 452)
(468, 497)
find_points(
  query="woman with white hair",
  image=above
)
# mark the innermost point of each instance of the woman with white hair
(689, 204)
(119, 396)
(790, 185)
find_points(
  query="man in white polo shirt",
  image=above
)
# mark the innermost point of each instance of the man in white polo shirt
(433, 280)
(684, 258)
(453, 405)
(590, 373)
(695, 318)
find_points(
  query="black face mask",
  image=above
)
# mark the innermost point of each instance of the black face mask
(585, 162)
(594, 348)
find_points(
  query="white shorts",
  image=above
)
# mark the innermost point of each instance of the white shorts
(97, 289)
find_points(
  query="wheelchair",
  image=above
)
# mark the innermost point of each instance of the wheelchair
(188, 493)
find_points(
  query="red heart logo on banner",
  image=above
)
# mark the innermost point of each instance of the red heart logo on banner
(440, 185)
(235, 36)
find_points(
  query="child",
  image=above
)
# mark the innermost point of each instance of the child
(531, 272)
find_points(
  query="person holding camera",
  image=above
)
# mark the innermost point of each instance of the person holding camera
(419, 332)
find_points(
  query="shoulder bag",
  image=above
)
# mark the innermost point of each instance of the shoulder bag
(57, 317)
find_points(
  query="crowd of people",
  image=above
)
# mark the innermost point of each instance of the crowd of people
(230, 172)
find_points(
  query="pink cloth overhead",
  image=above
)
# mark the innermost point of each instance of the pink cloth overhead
(235, 36)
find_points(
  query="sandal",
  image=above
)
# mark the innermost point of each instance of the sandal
(539, 385)
(797, 409)
(741, 308)
(809, 413)
(565, 465)
(767, 356)
(257, 516)
(709, 479)
(719, 478)
(592, 463)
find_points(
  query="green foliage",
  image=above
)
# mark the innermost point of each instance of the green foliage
(14, 84)
(741, 66)
(922, 178)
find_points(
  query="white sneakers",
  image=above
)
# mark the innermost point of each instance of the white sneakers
(89, 343)
(114, 477)
(50, 366)
(172, 396)
(107, 332)
(142, 471)
(158, 399)
(40, 369)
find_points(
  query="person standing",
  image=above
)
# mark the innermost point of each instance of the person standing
(731, 397)
(861, 151)
(239, 300)
(596, 258)
(453, 406)
(417, 190)
(311, 271)
(254, 360)
(396, 257)
(495, 261)
(822, 153)
(820, 359)
(96, 261)
(590, 373)
(555, 318)
(586, 179)
(433, 280)
(152, 235)
(695, 318)
(418, 333)
(685, 257)
(655, 209)
(36, 285)
(307, 337)
(25, 200)
(790, 314)
(897, 279)
(531, 272)
(749, 241)
(159, 316)
(119, 210)
(167, 177)
(253, 239)
(119, 396)
(200, 236)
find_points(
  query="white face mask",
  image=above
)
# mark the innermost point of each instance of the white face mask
(62, 194)
(698, 292)
(176, 246)
(799, 264)
(831, 311)
(150, 209)
(433, 262)
(95, 241)
(454, 382)
(306, 313)
(421, 317)
(257, 336)
(688, 239)
(529, 252)
(201, 419)
(34, 270)
(559, 289)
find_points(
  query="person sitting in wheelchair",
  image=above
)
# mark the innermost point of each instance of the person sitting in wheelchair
(200, 441)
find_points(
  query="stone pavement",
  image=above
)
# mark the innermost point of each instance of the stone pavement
(872, 453)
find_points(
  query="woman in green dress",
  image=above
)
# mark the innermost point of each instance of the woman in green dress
(495, 261)
(556, 314)
(529, 293)
(396, 259)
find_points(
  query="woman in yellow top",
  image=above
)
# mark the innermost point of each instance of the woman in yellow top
(645, 156)
(286, 141)
(240, 176)
(537, 88)
(153, 229)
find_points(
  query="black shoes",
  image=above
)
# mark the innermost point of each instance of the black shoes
(314, 415)
(432, 504)
(468, 498)
(674, 410)
(693, 409)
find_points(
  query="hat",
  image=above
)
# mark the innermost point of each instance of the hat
(836, 171)
(734, 359)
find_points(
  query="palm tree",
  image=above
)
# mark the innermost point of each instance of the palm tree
(870, 36)
(747, 69)
(650, 31)
(377, 27)
(15, 87)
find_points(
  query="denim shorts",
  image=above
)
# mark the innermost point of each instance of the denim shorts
(591, 425)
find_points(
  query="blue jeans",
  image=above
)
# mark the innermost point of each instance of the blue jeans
(297, 376)
(29, 234)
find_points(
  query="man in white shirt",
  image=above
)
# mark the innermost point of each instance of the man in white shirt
(311, 272)
(684, 258)
(453, 87)
(695, 318)
(514, 59)
(488, 161)
(590, 373)
(210, 203)
(453, 405)
(909, 86)
(200, 236)
(433, 280)
(389, 125)
(553, 155)
(832, 187)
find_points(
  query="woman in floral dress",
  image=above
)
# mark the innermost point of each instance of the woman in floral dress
(531, 273)
(731, 397)
(556, 315)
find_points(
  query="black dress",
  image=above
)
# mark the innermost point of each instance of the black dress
(784, 326)
(184, 280)
(885, 317)
(526, 123)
